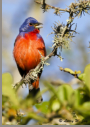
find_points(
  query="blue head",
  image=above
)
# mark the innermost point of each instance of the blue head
(29, 25)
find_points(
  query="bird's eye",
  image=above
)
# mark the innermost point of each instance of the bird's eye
(30, 24)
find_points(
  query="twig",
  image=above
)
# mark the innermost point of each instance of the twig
(57, 8)
(68, 70)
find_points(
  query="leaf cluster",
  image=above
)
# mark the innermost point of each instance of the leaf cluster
(67, 105)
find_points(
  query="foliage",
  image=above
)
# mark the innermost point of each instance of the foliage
(65, 104)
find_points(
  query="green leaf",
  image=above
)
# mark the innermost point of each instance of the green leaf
(55, 105)
(7, 89)
(77, 98)
(53, 90)
(32, 115)
(7, 79)
(4, 99)
(61, 93)
(64, 92)
(87, 76)
(86, 105)
(81, 76)
(43, 107)
(84, 109)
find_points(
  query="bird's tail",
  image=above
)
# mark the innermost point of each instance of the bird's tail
(34, 90)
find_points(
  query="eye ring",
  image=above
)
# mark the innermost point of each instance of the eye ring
(30, 24)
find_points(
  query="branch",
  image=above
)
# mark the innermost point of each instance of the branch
(46, 6)
(76, 8)
(68, 70)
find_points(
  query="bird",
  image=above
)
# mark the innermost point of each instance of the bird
(28, 48)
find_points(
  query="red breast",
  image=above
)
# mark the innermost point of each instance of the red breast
(26, 50)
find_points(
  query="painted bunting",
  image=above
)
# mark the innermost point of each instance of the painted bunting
(27, 48)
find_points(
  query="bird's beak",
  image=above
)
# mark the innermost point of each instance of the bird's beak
(38, 25)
